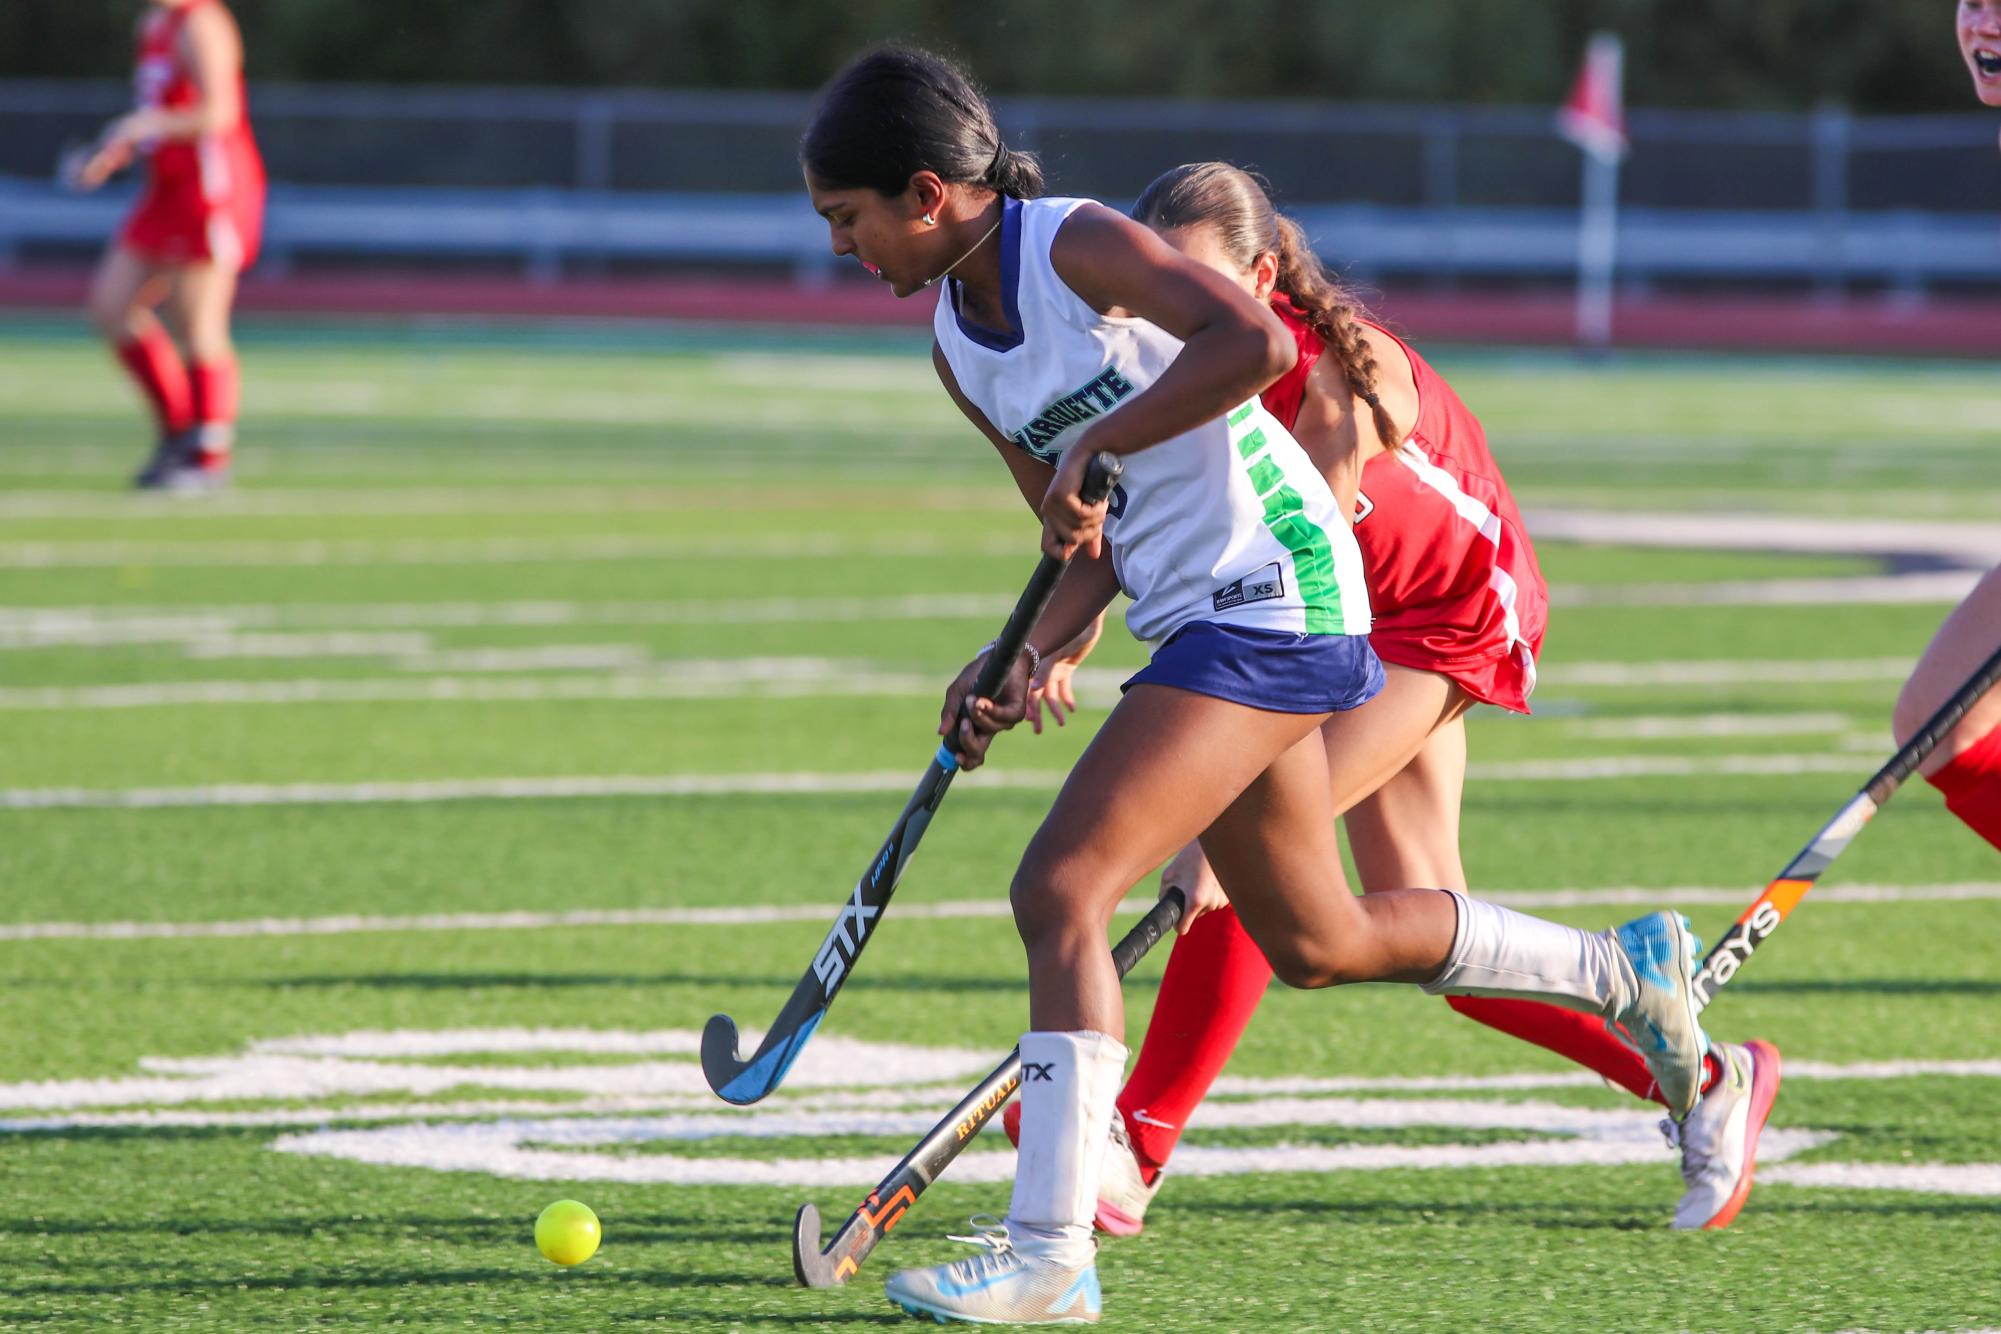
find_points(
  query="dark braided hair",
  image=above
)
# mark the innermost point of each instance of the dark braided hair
(898, 110)
(1239, 207)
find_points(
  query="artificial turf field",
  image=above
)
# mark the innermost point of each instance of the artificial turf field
(375, 841)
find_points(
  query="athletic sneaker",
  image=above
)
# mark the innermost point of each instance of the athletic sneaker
(199, 479)
(1719, 1140)
(1661, 1022)
(173, 453)
(1123, 1194)
(999, 1286)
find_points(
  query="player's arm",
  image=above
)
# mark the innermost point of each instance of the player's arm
(213, 50)
(1329, 430)
(1084, 591)
(1232, 346)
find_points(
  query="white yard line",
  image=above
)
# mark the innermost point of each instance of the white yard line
(764, 677)
(764, 915)
(1679, 726)
(89, 627)
(1724, 672)
(485, 550)
(1855, 591)
(1972, 544)
(94, 626)
(562, 787)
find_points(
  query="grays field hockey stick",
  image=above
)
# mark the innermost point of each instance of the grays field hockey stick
(892, 1198)
(745, 1081)
(1784, 893)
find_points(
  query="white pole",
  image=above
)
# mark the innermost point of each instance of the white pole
(1597, 247)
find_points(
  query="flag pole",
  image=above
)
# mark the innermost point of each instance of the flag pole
(1593, 118)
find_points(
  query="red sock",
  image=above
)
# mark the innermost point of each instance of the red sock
(1972, 786)
(154, 361)
(1214, 980)
(1581, 1037)
(216, 386)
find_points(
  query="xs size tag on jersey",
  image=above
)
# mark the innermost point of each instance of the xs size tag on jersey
(1259, 587)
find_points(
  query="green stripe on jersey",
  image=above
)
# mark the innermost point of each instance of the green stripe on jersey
(1312, 553)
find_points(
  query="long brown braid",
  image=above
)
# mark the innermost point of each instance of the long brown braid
(1238, 206)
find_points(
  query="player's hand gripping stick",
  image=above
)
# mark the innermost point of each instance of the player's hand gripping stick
(745, 1081)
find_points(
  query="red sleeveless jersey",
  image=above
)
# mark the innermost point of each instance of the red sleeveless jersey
(1453, 580)
(204, 197)
(216, 169)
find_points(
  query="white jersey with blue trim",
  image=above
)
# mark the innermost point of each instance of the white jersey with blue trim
(1229, 522)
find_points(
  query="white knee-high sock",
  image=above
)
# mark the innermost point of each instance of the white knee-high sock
(1499, 952)
(1069, 1082)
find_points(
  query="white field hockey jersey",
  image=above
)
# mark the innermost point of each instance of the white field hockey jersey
(1229, 522)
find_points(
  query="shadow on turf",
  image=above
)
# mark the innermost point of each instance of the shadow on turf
(632, 1229)
(1871, 986)
(1578, 1217)
(334, 1280)
(469, 981)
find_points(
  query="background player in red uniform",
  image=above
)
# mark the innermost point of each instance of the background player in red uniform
(196, 226)
(1966, 767)
(1460, 607)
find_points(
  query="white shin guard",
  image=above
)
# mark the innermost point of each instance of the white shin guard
(1069, 1082)
(1499, 952)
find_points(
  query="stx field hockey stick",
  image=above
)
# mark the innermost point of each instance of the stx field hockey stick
(892, 1198)
(745, 1081)
(1783, 895)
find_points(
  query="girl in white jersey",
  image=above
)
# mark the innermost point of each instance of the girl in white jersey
(1067, 329)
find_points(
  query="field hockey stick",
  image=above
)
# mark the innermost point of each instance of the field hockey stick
(892, 1198)
(1784, 893)
(745, 1081)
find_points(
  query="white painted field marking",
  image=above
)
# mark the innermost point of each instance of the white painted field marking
(590, 786)
(483, 550)
(1726, 672)
(684, 678)
(1679, 726)
(394, 1063)
(1973, 544)
(760, 915)
(88, 627)
(94, 626)
(1980, 1179)
(859, 1088)
(498, 500)
(1853, 591)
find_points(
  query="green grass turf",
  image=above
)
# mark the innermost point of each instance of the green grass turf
(714, 446)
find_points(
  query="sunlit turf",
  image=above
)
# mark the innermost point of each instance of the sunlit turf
(791, 489)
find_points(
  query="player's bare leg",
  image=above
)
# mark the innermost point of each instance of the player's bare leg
(1129, 802)
(1966, 766)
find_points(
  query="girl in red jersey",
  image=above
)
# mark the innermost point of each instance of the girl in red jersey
(195, 228)
(1460, 607)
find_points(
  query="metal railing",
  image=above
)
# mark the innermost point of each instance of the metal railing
(550, 177)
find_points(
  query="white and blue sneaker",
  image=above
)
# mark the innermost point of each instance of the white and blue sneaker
(1661, 1020)
(999, 1286)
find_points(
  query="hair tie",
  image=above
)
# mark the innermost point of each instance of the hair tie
(1369, 397)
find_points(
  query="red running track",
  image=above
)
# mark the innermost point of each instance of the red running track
(1949, 326)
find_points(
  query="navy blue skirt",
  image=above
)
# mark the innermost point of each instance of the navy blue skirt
(1273, 670)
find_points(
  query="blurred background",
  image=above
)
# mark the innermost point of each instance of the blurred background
(1800, 171)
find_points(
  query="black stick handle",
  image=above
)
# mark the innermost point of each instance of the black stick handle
(1099, 479)
(1887, 779)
